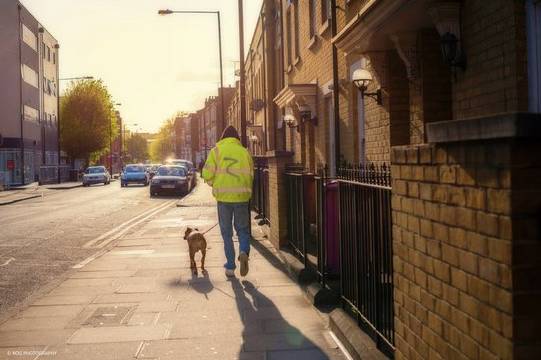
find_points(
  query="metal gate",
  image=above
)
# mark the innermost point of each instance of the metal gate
(366, 273)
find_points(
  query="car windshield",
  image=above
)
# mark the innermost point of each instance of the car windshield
(171, 171)
(95, 170)
(134, 169)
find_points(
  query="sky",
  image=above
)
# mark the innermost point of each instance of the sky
(152, 65)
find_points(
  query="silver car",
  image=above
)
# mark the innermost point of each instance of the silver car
(96, 175)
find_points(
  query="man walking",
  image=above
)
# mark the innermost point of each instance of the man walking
(230, 170)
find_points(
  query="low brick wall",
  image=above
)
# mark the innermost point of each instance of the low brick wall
(452, 233)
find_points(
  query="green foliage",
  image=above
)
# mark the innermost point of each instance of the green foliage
(137, 148)
(87, 119)
(163, 146)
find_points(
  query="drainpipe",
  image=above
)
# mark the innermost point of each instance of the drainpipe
(264, 80)
(336, 85)
(21, 105)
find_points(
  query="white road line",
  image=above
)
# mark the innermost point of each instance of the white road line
(119, 227)
(126, 229)
(119, 234)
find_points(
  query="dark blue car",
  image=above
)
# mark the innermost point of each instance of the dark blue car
(134, 174)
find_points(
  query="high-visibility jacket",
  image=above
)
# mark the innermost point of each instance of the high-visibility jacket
(230, 171)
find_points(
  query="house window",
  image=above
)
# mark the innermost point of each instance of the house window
(48, 53)
(296, 23)
(326, 8)
(31, 114)
(29, 38)
(29, 76)
(533, 10)
(288, 36)
(43, 50)
(54, 57)
(312, 14)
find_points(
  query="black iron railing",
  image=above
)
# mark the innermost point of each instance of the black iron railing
(341, 227)
(260, 195)
(295, 210)
(366, 274)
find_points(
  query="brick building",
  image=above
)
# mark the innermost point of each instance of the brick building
(453, 105)
(28, 96)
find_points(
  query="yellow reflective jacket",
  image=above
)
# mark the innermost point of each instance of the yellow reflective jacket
(230, 171)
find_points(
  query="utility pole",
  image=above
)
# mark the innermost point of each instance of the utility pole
(242, 82)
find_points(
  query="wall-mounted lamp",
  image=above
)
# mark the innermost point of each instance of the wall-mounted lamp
(362, 78)
(291, 122)
(305, 112)
(446, 18)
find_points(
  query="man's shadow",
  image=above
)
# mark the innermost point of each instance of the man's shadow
(257, 315)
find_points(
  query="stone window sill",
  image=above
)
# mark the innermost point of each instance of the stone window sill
(312, 42)
(510, 125)
(324, 27)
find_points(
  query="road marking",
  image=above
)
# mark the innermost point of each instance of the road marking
(127, 228)
(8, 261)
(92, 242)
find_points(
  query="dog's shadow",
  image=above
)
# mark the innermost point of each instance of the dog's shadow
(201, 284)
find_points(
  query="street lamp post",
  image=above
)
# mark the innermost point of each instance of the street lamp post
(217, 13)
(111, 140)
(58, 112)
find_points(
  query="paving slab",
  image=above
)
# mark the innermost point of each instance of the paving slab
(21, 352)
(51, 311)
(100, 351)
(119, 334)
(40, 323)
(33, 337)
(65, 300)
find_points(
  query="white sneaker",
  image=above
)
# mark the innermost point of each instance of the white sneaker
(229, 273)
(243, 257)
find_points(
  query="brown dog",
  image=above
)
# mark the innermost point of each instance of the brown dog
(196, 242)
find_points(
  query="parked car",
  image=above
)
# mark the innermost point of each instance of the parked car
(189, 166)
(96, 175)
(170, 179)
(151, 169)
(134, 174)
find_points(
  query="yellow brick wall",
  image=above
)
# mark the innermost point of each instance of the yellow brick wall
(315, 66)
(452, 251)
(495, 80)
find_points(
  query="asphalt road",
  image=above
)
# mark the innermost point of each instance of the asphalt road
(42, 239)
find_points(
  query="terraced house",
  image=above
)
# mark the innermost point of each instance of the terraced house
(398, 164)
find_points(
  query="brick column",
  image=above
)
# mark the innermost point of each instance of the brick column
(278, 197)
(465, 231)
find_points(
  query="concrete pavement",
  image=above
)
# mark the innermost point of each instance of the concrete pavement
(140, 301)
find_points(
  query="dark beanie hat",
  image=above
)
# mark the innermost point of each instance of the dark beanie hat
(230, 132)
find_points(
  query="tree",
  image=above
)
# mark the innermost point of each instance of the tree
(87, 119)
(137, 148)
(163, 146)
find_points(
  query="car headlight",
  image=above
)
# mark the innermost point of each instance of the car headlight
(155, 181)
(181, 181)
